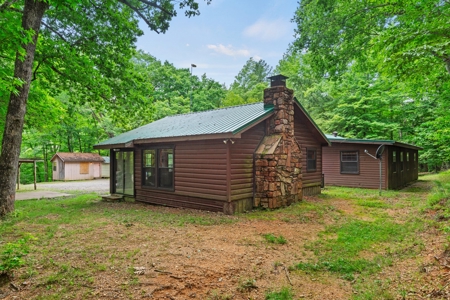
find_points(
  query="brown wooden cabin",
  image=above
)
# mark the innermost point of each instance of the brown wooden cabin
(231, 159)
(345, 163)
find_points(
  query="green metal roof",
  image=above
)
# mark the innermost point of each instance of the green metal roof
(230, 120)
(340, 139)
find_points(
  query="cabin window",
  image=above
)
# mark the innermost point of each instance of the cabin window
(54, 166)
(84, 168)
(407, 160)
(349, 162)
(401, 160)
(157, 168)
(311, 161)
(394, 161)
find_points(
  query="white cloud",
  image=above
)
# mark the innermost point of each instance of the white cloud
(268, 30)
(229, 50)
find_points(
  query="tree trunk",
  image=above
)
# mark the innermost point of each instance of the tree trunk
(12, 137)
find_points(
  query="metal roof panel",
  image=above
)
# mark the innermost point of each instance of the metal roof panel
(225, 120)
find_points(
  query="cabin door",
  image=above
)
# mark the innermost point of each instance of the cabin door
(123, 173)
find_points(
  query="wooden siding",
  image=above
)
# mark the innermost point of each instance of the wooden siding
(72, 171)
(242, 169)
(369, 172)
(399, 177)
(303, 131)
(200, 176)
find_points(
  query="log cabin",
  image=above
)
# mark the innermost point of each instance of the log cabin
(265, 154)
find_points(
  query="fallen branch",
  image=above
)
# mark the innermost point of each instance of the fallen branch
(287, 275)
(161, 271)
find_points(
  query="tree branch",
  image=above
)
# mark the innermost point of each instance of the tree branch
(54, 31)
(155, 5)
(7, 4)
(152, 27)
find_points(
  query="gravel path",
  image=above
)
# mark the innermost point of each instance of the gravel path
(100, 186)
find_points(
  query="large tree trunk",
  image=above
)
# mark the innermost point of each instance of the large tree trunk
(12, 138)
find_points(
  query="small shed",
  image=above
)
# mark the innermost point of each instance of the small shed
(265, 154)
(106, 167)
(76, 166)
(346, 163)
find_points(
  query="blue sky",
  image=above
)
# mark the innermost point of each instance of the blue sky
(225, 35)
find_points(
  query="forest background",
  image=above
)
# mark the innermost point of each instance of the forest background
(366, 69)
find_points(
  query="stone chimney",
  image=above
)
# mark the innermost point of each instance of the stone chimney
(278, 157)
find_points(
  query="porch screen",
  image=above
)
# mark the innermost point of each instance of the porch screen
(349, 162)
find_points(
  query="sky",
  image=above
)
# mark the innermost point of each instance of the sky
(224, 36)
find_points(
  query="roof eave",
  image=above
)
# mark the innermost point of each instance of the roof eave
(376, 142)
(189, 138)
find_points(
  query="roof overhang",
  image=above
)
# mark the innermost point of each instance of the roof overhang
(200, 137)
(374, 142)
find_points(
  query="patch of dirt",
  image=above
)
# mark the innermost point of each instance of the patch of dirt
(227, 261)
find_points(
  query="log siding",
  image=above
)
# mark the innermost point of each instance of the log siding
(303, 131)
(199, 176)
(242, 159)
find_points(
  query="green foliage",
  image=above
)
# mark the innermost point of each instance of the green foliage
(249, 84)
(375, 70)
(284, 294)
(439, 199)
(11, 254)
(352, 246)
(270, 238)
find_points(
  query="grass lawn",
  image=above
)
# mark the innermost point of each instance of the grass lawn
(343, 244)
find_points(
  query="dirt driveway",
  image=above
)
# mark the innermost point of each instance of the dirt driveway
(62, 188)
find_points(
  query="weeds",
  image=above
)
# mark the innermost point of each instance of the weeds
(11, 255)
(247, 284)
(270, 238)
(284, 294)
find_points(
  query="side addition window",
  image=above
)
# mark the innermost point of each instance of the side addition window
(157, 168)
(311, 160)
(349, 162)
(401, 161)
(394, 161)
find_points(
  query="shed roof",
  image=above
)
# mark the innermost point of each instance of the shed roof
(211, 124)
(340, 139)
(78, 157)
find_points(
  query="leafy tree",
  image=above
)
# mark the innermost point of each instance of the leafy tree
(400, 48)
(76, 45)
(249, 84)
(406, 36)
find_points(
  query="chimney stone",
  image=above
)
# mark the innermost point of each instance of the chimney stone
(278, 164)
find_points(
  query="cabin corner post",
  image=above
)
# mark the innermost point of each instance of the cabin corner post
(278, 162)
(228, 207)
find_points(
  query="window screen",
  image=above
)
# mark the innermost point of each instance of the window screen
(349, 162)
(157, 168)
